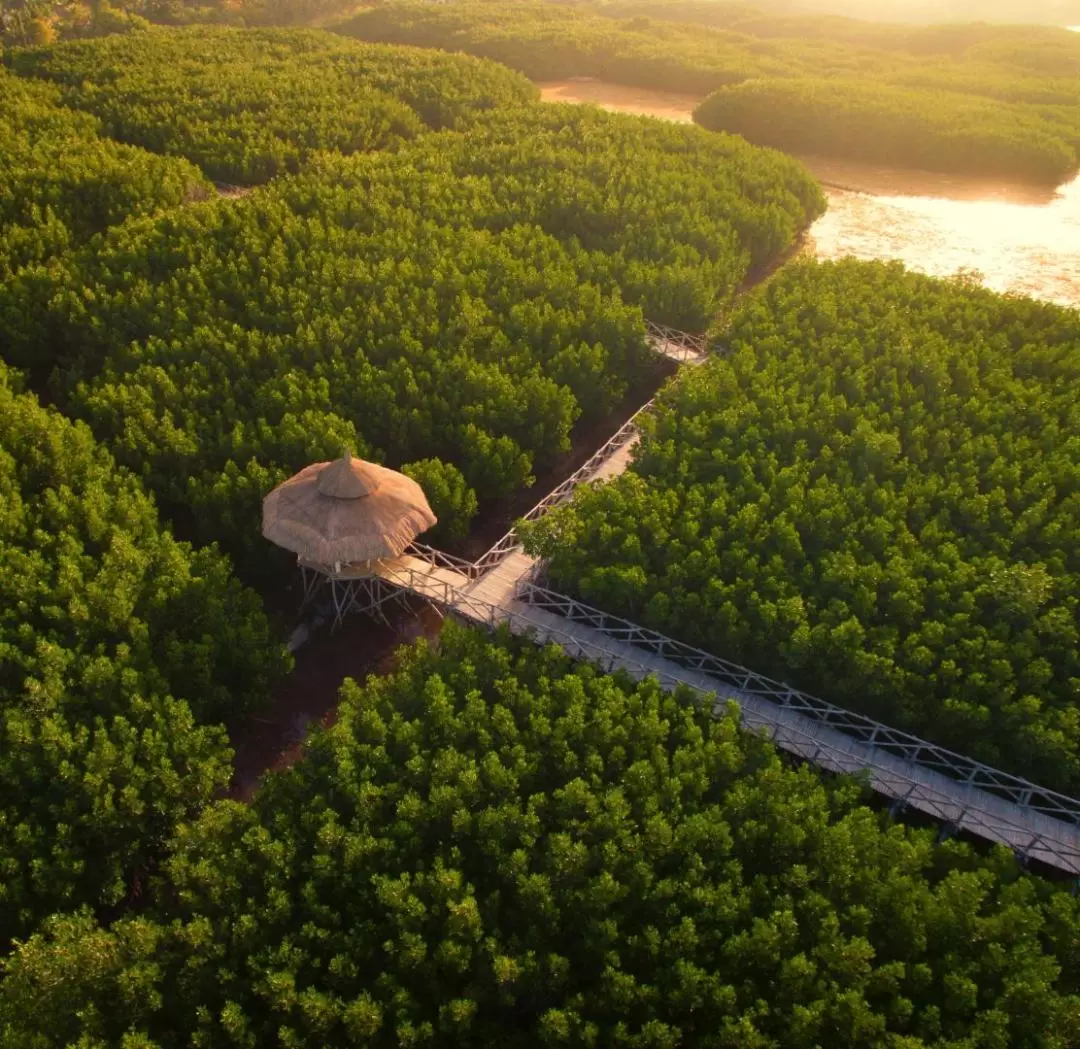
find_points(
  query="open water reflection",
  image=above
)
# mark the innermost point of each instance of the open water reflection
(1019, 238)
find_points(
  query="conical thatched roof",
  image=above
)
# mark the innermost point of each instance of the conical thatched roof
(346, 511)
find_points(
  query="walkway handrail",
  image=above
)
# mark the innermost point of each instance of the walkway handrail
(622, 437)
(687, 347)
(890, 781)
(911, 748)
(690, 345)
(920, 752)
(440, 559)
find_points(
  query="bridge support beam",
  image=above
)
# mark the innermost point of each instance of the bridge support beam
(366, 594)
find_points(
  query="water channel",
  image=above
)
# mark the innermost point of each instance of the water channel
(1018, 238)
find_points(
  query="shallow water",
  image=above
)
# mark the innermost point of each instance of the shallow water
(1018, 238)
(619, 98)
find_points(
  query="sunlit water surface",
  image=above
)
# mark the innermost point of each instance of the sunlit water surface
(1017, 238)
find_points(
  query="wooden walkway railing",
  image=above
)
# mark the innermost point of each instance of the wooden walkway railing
(1035, 823)
(884, 739)
(626, 435)
(501, 588)
(678, 345)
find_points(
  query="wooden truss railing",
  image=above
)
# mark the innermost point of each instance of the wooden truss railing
(911, 748)
(678, 344)
(892, 781)
(916, 754)
(626, 434)
(496, 554)
(438, 559)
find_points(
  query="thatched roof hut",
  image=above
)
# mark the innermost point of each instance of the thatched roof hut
(348, 511)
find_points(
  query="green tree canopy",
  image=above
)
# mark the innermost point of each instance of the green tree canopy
(495, 846)
(119, 650)
(977, 98)
(467, 297)
(452, 500)
(246, 105)
(896, 125)
(875, 495)
(62, 182)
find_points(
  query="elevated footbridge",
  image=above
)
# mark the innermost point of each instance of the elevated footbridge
(962, 794)
(501, 589)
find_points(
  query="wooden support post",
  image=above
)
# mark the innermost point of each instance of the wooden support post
(312, 582)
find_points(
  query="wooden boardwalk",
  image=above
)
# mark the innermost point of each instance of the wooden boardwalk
(492, 601)
(497, 590)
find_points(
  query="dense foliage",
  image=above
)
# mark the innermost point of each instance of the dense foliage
(876, 495)
(35, 22)
(459, 299)
(248, 105)
(1052, 13)
(494, 847)
(787, 20)
(760, 21)
(61, 182)
(1003, 102)
(118, 647)
(551, 41)
(41, 21)
(451, 499)
(674, 218)
(898, 126)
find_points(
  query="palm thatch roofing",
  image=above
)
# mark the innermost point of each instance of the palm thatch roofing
(346, 511)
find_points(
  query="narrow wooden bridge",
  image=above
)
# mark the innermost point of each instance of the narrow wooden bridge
(501, 589)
